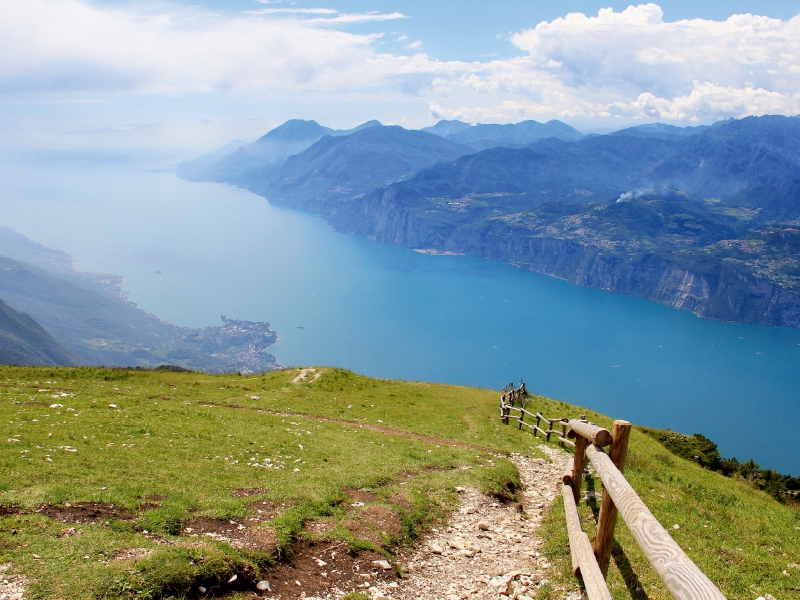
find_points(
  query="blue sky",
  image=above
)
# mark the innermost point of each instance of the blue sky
(186, 76)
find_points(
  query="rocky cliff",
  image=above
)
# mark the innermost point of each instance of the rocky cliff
(730, 294)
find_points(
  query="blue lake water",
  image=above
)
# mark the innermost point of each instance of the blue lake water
(389, 312)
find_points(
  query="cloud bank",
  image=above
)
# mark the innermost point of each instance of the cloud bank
(628, 64)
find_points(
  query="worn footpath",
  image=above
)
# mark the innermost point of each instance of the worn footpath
(488, 550)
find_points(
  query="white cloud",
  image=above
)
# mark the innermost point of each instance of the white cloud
(71, 46)
(634, 62)
(616, 65)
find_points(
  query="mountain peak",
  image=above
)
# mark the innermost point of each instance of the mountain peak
(295, 130)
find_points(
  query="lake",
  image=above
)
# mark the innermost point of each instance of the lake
(389, 312)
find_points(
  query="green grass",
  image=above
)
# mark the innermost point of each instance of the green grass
(189, 437)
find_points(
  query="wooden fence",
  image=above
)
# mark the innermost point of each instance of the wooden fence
(683, 578)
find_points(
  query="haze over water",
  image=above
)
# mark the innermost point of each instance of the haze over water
(386, 311)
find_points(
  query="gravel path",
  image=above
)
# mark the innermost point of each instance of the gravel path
(488, 551)
(12, 587)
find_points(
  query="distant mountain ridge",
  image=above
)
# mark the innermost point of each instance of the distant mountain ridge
(483, 136)
(346, 166)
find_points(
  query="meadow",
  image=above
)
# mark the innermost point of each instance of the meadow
(144, 484)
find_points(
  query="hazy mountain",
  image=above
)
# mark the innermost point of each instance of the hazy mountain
(480, 137)
(716, 161)
(24, 342)
(660, 130)
(733, 155)
(236, 162)
(97, 326)
(17, 246)
(597, 168)
(344, 166)
(194, 170)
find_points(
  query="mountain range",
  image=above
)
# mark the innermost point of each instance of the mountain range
(702, 218)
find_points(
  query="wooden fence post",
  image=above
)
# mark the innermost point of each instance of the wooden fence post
(521, 418)
(538, 420)
(578, 465)
(604, 540)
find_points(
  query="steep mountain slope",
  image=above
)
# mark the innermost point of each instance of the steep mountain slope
(599, 168)
(342, 167)
(733, 155)
(24, 342)
(776, 201)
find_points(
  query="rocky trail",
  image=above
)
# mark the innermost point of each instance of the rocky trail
(486, 551)
(489, 551)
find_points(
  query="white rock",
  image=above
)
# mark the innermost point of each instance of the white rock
(676, 526)
(320, 562)
(436, 549)
(383, 564)
(233, 578)
(457, 544)
(263, 586)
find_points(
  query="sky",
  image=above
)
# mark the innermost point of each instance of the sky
(184, 77)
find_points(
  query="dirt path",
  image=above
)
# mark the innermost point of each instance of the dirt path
(379, 428)
(488, 551)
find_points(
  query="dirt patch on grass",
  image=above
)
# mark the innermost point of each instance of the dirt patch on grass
(320, 528)
(9, 510)
(400, 499)
(248, 534)
(364, 496)
(382, 518)
(266, 510)
(85, 512)
(326, 569)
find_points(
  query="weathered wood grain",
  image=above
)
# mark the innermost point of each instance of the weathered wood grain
(684, 580)
(579, 462)
(598, 435)
(604, 539)
(584, 564)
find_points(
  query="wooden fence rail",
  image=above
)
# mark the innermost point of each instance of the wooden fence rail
(684, 580)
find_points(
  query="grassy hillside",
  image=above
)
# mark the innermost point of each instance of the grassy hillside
(127, 484)
(24, 342)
